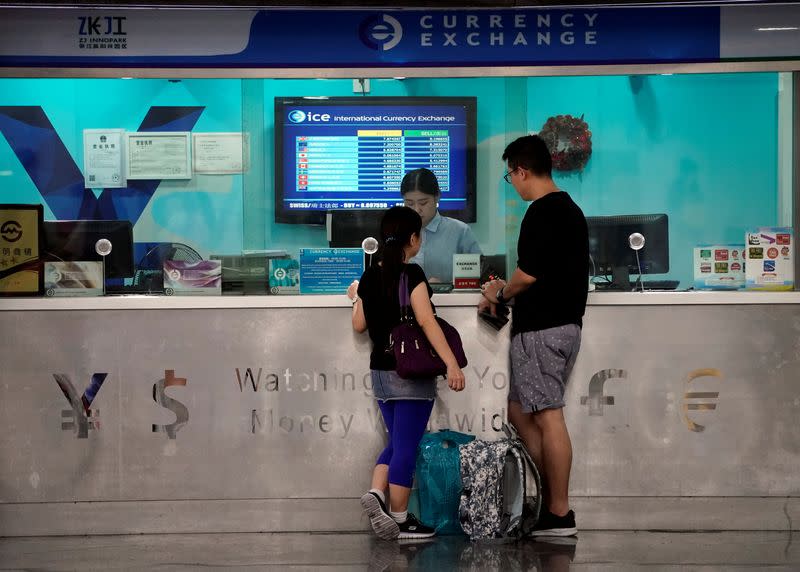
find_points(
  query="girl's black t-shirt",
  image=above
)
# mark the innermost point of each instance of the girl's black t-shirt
(383, 312)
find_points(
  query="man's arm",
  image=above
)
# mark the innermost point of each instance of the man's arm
(520, 281)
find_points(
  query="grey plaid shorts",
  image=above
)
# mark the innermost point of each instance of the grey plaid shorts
(541, 362)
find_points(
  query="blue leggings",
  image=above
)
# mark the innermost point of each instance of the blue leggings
(405, 420)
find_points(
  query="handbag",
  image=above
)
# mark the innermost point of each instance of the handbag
(413, 353)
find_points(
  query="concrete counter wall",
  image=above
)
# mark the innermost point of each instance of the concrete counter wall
(255, 418)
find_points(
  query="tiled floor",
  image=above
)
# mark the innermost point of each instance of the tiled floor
(602, 551)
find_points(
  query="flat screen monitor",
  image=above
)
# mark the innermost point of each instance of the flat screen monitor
(72, 240)
(493, 266)
(612, 254)
(350, 153)
(348, 229)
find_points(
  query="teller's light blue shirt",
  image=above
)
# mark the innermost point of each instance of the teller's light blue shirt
(441, 239)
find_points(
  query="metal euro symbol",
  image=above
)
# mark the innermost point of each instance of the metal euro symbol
(699, 400)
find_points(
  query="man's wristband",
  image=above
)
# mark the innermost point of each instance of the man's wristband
(499, 295)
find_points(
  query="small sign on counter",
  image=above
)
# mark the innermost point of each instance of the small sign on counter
(466, 271)
(329, 270)
(21, 268)
(202, 278)
(719, 267)
(79, 278)
(769, 256)
(284, 276)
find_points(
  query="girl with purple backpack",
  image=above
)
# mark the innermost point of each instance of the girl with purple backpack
(405, 404)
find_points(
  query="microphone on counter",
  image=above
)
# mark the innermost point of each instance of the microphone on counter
(103, 248)
(370, 246)
(636, 242)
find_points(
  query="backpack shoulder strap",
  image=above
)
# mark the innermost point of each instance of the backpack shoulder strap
(404, 296)
(533, 501)
(532, 487)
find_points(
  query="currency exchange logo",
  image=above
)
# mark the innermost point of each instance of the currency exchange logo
(297, 116)
(81, 417)
(699, 400)
(596, 398)
(11, 231)
(178, 408)
(381, 32)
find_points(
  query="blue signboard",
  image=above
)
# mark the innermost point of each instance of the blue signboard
(396, 38)
(329, 270)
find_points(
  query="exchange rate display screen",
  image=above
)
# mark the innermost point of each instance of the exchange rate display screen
(352, 153)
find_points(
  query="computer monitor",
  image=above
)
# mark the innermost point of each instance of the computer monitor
(612, 254)
(350, 228)
(351, 153)
(72, 240)
(493, 266)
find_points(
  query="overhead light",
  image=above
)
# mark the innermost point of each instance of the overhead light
(126, 78)
(779, 29)
(315, 97)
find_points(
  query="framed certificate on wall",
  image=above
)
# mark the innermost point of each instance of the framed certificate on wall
(103, 158)
(220, 153)
(159, 155)
(20, 250)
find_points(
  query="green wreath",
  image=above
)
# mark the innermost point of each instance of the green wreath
(569, 140)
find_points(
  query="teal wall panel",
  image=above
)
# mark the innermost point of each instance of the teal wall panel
(702, 148)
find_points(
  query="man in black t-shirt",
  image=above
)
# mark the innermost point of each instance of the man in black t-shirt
(549, 289)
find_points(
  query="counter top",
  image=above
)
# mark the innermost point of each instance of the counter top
(662, 298)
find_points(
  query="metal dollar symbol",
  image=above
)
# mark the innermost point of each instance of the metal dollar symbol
(178, 408)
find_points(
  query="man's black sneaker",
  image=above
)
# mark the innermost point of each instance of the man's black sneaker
(412, 528)
(552, 525)
(383, 524)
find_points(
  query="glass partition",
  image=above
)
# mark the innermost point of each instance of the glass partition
(196, 168)
(703, 149)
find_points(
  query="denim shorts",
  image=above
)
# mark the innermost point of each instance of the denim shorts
(387, 386)
(541, 362)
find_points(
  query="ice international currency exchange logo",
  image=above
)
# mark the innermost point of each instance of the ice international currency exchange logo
(381, 32)
(297, 116)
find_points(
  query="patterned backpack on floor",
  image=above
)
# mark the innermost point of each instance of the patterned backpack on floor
(501, 495)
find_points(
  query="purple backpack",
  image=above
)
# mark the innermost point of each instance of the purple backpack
(416, 358)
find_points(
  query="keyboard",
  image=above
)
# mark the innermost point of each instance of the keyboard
(659, 284)
(648, 285)
(441, 288)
